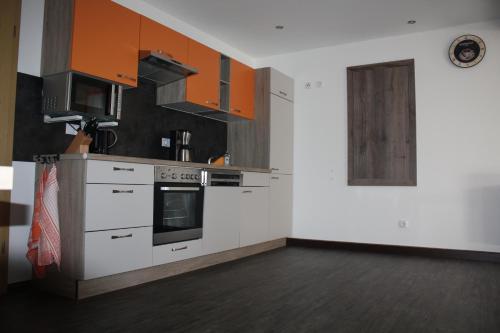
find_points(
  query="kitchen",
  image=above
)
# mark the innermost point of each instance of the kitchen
(205, 160)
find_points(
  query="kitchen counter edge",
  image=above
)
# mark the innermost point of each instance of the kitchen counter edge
(141, 160)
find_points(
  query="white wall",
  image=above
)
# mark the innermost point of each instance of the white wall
(457, 201)
(30, 37)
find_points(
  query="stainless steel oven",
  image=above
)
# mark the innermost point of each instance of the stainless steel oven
(178, 204)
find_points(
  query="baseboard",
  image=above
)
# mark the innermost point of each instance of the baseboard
(398, 249)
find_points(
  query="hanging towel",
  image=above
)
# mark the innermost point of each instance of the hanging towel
(44, 244)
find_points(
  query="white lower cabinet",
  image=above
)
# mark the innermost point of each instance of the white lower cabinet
(115, 206)
(163, 254)
(221, 219)
(254, 215)
(280, 206)
(117, 251)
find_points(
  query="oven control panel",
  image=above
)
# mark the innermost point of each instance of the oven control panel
(169, 174)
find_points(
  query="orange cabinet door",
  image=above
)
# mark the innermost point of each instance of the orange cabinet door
(203, 88)
(105, 41)
(157, 37)
(242, 90)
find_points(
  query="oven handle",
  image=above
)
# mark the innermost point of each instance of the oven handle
(166, 188)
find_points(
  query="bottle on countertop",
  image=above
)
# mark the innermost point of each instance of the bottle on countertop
(227, 158)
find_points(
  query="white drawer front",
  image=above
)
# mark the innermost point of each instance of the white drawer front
(103, 172)
(281, 85)
(255, 179)
(163, 254)
(117, 251)
(111, 206)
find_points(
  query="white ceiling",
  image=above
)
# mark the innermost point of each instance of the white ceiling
(248, 25)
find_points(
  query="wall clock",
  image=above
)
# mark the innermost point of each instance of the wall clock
(467, 51)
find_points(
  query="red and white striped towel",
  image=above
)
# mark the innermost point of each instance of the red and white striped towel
(44, 244)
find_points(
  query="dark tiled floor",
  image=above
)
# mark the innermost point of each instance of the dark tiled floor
(288, 290)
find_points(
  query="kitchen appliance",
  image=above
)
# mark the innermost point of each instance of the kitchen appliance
(68, 94)
(217, 177)
(160, 68)
(178, 204)
(180, 150)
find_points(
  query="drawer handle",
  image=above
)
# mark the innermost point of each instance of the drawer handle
(248, 191)
(275, 169)
(213, 103)
(283, 93)
(275, 177)
(123, 169)
(123, 191)
(124, 236)
(236, 110)
(179, 248)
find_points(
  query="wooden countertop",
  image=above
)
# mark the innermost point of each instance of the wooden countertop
(127, 159)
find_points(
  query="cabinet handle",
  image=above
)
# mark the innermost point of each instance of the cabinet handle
(236, 110)
(247, 191)
(212, 103)
(120, 75)
(275, 169)
(275, 177)
(283, 93)
(179, 248)
(123, 169)
(124, 236)
(123, 191)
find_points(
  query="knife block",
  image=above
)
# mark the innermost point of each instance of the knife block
(80, 144)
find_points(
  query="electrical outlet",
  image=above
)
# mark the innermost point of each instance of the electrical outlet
(403, 224)
(165, 142)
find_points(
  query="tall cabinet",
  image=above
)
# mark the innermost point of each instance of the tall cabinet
(280, 153)
(267, 142)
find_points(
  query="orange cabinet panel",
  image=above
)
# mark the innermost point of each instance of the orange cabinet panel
(157, 37)
(242, 91)
(105, 41)
(203, 88)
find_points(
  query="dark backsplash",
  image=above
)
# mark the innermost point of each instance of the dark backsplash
(141, 128)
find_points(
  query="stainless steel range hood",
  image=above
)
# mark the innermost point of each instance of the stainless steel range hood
(161, 68)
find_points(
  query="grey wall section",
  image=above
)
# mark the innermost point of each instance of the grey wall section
(142, 126)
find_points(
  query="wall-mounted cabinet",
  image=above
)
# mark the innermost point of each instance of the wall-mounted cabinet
(242, 90)
(157, 37)
(203, 88)
(95, 37)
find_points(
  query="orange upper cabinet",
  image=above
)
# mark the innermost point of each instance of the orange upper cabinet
(105, 41)
(241, 100)
(203, 88)
(159, 38)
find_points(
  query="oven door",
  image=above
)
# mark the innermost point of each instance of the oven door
(178, 212)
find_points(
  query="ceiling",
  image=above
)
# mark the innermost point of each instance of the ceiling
(249, 25)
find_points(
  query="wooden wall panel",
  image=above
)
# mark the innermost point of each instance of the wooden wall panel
(381, 124)
(10, 13)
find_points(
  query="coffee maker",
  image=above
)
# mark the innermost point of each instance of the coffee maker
(180, 150)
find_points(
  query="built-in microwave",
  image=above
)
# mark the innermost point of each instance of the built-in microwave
(68, 93)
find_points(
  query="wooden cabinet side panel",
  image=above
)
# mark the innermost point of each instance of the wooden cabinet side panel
(71, 178)
(248, 141)
(57, 34)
